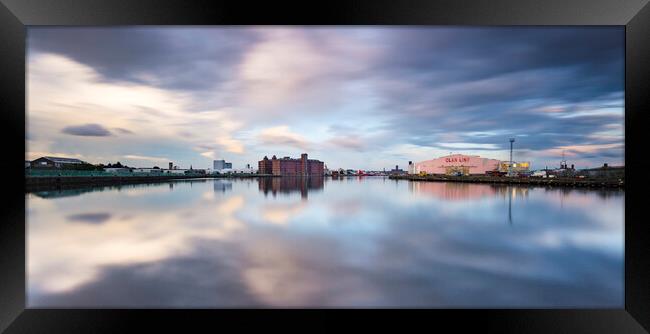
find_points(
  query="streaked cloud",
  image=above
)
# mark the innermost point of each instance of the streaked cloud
(146, 158)
(86, 130)
(282, 135)
(123, 131)
(469, 146)
(91, 218)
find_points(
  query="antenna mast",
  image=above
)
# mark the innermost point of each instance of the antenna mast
(512, 140)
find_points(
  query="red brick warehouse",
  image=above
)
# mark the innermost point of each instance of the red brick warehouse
(291, 167)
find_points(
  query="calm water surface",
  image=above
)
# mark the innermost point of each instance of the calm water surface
(355, 242)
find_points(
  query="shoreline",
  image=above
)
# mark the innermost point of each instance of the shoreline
(559, 182)
(44, 183)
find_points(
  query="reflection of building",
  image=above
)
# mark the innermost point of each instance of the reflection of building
(288, 185)
(511, 191)
(291, 167)
(452, 191)
(457, 164)
(222, 186)
(455, 191)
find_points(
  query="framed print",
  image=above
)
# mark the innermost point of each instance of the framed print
(473, 164)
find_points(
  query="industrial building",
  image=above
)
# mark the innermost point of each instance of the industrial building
(55, 162)
(397, 171)
(605, 171)
(291, 167)
(460, 164)
(517, 167)
(175, 170)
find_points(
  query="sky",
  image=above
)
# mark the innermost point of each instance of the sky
(354, 97)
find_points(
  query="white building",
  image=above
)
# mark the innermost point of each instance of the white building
(237, 171)
(219, 165)
(117, 170)
(160, 170)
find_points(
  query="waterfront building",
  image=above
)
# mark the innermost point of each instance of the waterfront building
(604, 171)
(460, 164)
(218, 165)
(55, 162)
(117, 169)
(456, 164)
(291, 167)
(397, 171)
(564, 171)
(175, 170)
(237, 171)
(264, 166)
(517, 167)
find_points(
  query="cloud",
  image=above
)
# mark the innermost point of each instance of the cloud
(281, 135)
(145, 158)
(209, 154)
(88, 130)
(578, 150)
(293, 72)
(123, 131)
(230, 144)
(149, 55)
(91, 218)
(349, 142)
(474, 146)
(394, 87)
(64, 92)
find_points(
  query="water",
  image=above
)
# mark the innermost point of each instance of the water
(353, 242)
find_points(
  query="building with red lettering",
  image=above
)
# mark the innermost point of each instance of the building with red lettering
(456, 164)
(291, 167)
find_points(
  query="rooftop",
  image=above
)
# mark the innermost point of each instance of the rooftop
(64, 160)
(604, 168)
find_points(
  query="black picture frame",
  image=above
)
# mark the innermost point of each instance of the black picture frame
(15, 15)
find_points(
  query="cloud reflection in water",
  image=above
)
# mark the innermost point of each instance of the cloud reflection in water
(371, 242)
